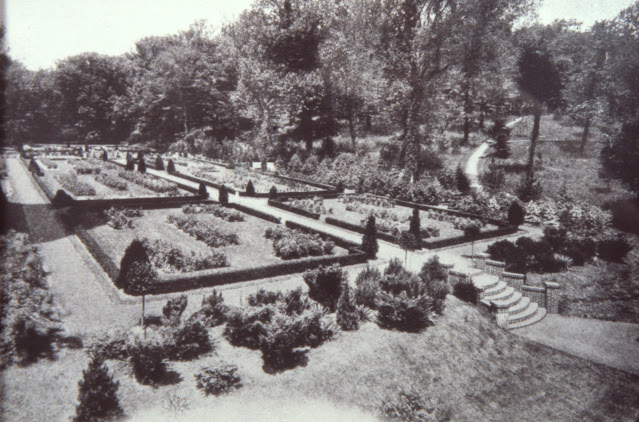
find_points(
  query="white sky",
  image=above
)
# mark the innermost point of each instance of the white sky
(39, 32)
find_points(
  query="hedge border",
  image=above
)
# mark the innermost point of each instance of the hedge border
(352, 247)
(203, 181)
(255, 213)
(358, 229)
(179, 185)
(456, 213)
(286, 207)
(458, 240)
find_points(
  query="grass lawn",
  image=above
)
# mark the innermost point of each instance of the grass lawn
(468, 367)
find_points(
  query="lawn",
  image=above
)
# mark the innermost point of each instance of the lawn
(465, 365)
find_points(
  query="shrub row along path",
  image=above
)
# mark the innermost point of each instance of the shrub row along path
(472, 166)
(90, 301)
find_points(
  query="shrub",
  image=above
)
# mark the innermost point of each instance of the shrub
(614, 249)
(61, 198)
(213, 311)
(170, 166)
(272, 194)
(219, 380)
(141, 165)
(150, 182)
(70, 182)
(112, 345)
(367, 287)
(501, 133)
(411, 406)
(203, 230)
(435, 277)
(494, 178)
(529, 189)
(224, 213)
(130, 164)
(295, 164)
(293, 244)
(170, 259)
(250, 189)
(104, 156)
(159, 164)
(190, 341)
(340, 187)
(325, 285)
(223, 197)
(174, 308)
(369, 240)
(415, 227)
(463, 184)
(245, 328)
(83, 167)
(111, 182)
(467, 292)
(97, 394)
(201, 191)
(264, 297)
(134, 253)
(516, 214)
(394, 267)
(147, 363)
(294, 302)
(347, 315)
(400, 312)
(31, 341)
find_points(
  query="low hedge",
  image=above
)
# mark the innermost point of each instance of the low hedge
(286, 207)
(458, 240)
(342, 243)
(157, 202)
(107, 264)
(255, 213)
(359, 229)
(423, 207)
(203, 181)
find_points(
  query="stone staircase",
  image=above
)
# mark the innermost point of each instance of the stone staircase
(517, 309)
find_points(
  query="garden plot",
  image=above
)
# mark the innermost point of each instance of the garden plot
(239, 177)
(95, 179)
(390, 218)
(196, 238)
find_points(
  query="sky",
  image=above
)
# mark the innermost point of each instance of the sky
(39, 32)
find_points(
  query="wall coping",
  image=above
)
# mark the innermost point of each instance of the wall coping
(514, 275)
(552, 285)
(533, 288)
(495, 263)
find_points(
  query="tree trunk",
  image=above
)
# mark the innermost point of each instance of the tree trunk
(584, 136)
(143, 323)
(533, 142)
(467, 112)
(351, 129)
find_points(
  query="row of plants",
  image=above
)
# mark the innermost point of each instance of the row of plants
(149, 182)
(577, 217)
(216, 210)
(122, 218)
(315, 205)
(86, 167)
(294, 244)
(204, 230)
(556, 251)
(50, 164)
(170, 259)
(109, 180)
(367, 200)
(71, 183)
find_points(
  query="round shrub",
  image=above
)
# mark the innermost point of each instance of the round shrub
(467, 292)
(218, 380)
(367, 287)
(516, 214)
(614, 249)
(170, 166)
(159, 164)
(190, 341)
(403, 313)
(147, 363)
(223, 197)
(250, 189)
(141, 165)
(272, 194)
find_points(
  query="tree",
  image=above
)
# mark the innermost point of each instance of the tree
(501, 135)
(407, 242)
(472, 231)
(463, 184)
(201, 191)
(250, 189)
(159, 164)
(540, 83)
(620, 157)
(136, 275)
(97, 396)
(516, 214)
(141, 165)
(369, 240)
(170, 166)
(347, 316)
(415, 227)
(223, 197)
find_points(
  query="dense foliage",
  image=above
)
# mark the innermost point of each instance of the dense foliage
(294, 244)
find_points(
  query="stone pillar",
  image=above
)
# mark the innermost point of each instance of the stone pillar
(514, 280)
(479, 261)
(495, 268)
(552, 297)
(501, 314)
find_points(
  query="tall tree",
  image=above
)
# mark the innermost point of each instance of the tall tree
(97, 395)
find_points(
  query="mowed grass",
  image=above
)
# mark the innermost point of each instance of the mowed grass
(465, 364)
(559, 166)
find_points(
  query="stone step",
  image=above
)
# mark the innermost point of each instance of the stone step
(536, 317)
(511, 301)
(494, 290)
(528, 312)
(504, 295)
(485, 281)
(519, 306)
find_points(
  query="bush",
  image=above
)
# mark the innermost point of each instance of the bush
(190, 341)
(223, 197)
(170, 166)
(170, 259)
(264, 297)
(159, 164)
(203, 230)
(141, 165)
(325, 285)
(150, 182)
(110, 181)
(272, 194)
(463, 184)
(294, 302)
(394, 267)
(435, 277)
(245, 328)
(400, 312)
(415, 227)
(31, 341)
(367, 287)
(614, 249)
(224, 213)
(134, 253)
(516, 214)
(130, 164)
(70, 182)
(201, 191)
(112, 345)
(347, 315)
(293, 244)
(501, 133)
(213, 311)
(467, 292)
(219, 380)
(494, 178)
(174, 308)
(529, 189)
(104, 156)
(250, 189)
(97, 394)
(147, 363)
(369, 240)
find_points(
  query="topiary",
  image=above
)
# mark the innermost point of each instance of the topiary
(250, 189)
(130, 165)
(159, 164)
(369, 240)
(347, 315)
(516, 214)
(135, 252)
(170, 166)
(340, 187)
(223, 197)
(201, 191)
(272, 194)
(141, 165)
(97, 394)
(415, 227)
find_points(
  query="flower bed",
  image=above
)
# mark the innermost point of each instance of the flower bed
(86, 167)
(219, 211)
(71, 183)
(170, 259)
(109, 180)
(203, 230)
(292, 244)
(239, 178)
(149, 182)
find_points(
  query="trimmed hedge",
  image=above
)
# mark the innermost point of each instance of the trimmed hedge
(286, 207)
(359, 229)
(203, 181)
(353, 247)
(107, 264)
(157, 202)
(458, 240)
(423, 207)
(255, 213)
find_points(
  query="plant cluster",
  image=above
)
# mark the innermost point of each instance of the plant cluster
(149, 182)
(218, 380)
(109, 179)
(97, 394)
(204, 230)
(293, 244)
(315, 205)
(325, 285)
(213, 311)
(70, 182)
(219, 211)
(85, 167)
(170, 259)
(50, 164)
(577, 217)
(119, 218)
